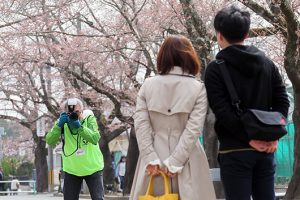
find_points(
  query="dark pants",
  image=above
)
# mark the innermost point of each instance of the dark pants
(122, 182)
(248, 173)
(72, 186)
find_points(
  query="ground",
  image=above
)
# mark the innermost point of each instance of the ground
(55, 196)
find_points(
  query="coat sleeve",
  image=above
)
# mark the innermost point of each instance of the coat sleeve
(90, 133)
(190, 135)
(143, 129)
(52, 137)
(280, 101)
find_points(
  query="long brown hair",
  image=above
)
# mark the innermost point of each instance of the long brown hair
(177, 50)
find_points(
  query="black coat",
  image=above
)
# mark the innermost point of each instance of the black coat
(258, 85)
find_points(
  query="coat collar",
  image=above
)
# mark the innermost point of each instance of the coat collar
(178, 71)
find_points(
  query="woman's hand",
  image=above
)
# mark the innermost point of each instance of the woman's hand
(168, 173)
(152, 170)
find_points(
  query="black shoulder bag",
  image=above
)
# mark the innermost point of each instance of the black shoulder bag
(258, 124)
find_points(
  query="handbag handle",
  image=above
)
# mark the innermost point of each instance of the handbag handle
(166, 184)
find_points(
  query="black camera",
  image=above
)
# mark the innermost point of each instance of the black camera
(72, 115)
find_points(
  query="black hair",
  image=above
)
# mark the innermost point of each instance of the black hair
(232, 23)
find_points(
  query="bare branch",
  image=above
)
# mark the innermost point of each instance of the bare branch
(259, 32)
(276, 21)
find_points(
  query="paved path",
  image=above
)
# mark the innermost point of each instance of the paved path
(48, 196)
(51, 196)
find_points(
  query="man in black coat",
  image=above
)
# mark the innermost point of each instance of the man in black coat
(247, 165)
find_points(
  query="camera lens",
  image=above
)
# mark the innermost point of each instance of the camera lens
(73, 115)
(71, 108)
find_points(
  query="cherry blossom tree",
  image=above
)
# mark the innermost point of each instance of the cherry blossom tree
(103, 50)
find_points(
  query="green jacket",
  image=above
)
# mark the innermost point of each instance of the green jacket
(82, 155)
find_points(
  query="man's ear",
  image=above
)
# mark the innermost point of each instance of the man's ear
(221, 37)
(246, 36)
(218, 35)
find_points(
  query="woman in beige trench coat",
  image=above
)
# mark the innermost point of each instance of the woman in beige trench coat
(170, 113)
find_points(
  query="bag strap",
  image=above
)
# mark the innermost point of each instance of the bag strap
(62, 134)
(166, 184)
(235, 100)
(63, 141)
(270, 99)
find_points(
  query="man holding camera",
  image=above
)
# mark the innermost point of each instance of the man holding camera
(82, 158)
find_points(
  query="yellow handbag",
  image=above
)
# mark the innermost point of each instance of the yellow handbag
(166, 196)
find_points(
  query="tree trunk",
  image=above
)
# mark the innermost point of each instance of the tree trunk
(132, 158)
(293, 191)
(210, 140)
(108, 172)
(211, 146)
(41, 166)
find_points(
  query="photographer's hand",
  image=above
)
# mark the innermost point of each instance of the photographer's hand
(64, 118)
(74, 123)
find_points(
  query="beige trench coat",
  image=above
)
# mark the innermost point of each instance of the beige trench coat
(170, 114)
